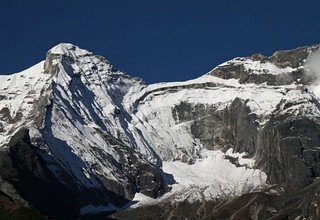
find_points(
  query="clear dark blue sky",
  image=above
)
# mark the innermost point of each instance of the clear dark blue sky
(158, 40)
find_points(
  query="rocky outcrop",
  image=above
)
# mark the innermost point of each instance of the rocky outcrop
(288, 150)
(28, 173)
(46, 185)
(235, 126)
(293, 59)
(27, 168)
(143, 176)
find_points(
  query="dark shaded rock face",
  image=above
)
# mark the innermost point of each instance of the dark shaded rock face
(142, 175)
(288, 150)
(29, 175)
(232, 127)
(49, 67)
(291, 58)
(5, 116)
(25, 167)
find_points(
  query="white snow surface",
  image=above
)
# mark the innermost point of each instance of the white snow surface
(88, 97)
(68, 50)
(209, 178)
(18, 92)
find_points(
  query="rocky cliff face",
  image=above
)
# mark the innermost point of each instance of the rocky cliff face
(287, 145)
(282, 68)
(78, 137)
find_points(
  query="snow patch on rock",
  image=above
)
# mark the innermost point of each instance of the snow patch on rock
(209, 178)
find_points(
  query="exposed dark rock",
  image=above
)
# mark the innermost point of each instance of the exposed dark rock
(285, 58)
(49, 66)
(290, 58)
(233, 127)
(32, 179)
(288, 150)
(259, 57)
(25, 167)
(9, 209)
(40, 108)
(237, 71)
(142, 175)
(5, 116)
(231, 71)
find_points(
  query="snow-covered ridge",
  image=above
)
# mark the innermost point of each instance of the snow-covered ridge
(257, 67)
(69, 50)
(18, 95)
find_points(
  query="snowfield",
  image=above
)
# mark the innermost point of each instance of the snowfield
(18, 93)
(209, 178)
(258, 67)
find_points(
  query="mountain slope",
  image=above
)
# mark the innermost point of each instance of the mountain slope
(82, 131)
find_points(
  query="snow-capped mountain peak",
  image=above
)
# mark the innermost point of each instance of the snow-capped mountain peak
(68, 49)
(107, 137)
